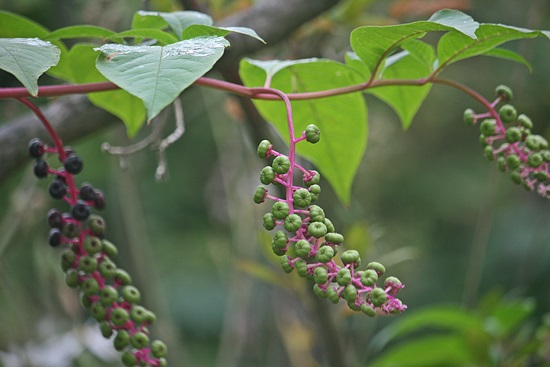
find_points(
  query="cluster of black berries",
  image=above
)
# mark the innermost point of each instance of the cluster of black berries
(506, 136)
(308, 241)
(105, 290)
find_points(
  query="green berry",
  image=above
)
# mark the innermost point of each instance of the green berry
(508, 113)
(352, 305)
(302, 248)
(301, 198)
(316, 214)
(263, 148)
(128, 359)
(285, 264)
(330, 226)
(319, 292)
(105, 328)
(368, 310)
(513, 135)
(313, 134)
(317, 229)
(278, 251)
(131, 294)
(267, 175)
(315, 189)
(139, 314)
(72, 278)
(350, 293)
(320, 275)
(377, 267)
(98, 311)
(504, 92)
(301, 267)
(109, 248)
(516, 177)
(488, 127)
(122, 277)
(535, 160)
(535, 142)
(92, 245)
(87, 264)
(469, 117)
(334, 237)
(259, 194)
(108, 295)
(312, 178)
(119, 316)
(332, 295)
(122, 339)
(325, 254)
(280, 210)
(107, 268)
(343, 277)
(378, 297)
(163, 362)
(71, 230)
(513, 161)
(280, 240)
(501, 162)
(525, 121)
(392, 281)
(488, 153)
(89, 287)
(541, 176)
(293, 222)
(139, 340)
(85, 300)
(269, 221)
(351, 257)
(369, 277)
(281, 164)
(159, 349)
(96, 224)
(545, 155)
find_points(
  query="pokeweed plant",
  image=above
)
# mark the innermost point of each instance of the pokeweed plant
(142, 70)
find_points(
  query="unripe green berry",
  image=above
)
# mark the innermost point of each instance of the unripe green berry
(315, 189)
(122, 277)
(302, 248)
(320, 275)
(334, 237)
(504, 92)
(278, 251)
(488, 127)
(71, 230)
(87, 264)
(488, 153)
(105, 328)
(332, 295)
(513, 161)
(301, 267)
(317, 229)
(131, 294)
(525, 121)
(535, 142)
(469, 117)
(92, 245)
(507, 113)
(159, 349)
(269, 221)
(259, 194)
(390, 281)
(107, 268)
(139, 340)
(280, 210)
(316, 214)
(545, 155)
(293, 222)
(89, 287)
(353, 306)
(501, 162)
(534, 160)
(122, 339)
(267, 175)
(128, 359)
(319, 292)
(343, 277)
(325, 254)
(313, 134)
(541, 176)
(281, 164)
(378, 297)
(351, 256)
(368, 310)
(96, 224)
(85, 300)
(98, 311)
(350, 293)
(72, 278)
(301, 198)
(119, 316)
(108, 295)
(377, 267)
(313, 178)
(139, 314)
(483, 140)
(263, 148)
(163, 362)
(109, 248)
(369, 278)
(513, 135)
(516, 177)
(285, 264)
(280, 240)
(330, 226)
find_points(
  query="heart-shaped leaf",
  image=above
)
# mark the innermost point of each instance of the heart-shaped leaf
(27, 59)
(158, 74)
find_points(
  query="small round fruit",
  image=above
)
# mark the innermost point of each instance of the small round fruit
(513, 135)
(87, 192)
(109, 248)
(350, 256)
(122, 277)
(311, 178)
(36, 148)
(267, 175)
(40, 168)
(122, 339)
(317, 229)
(96, 224)
(159, 349)
(280, 210)
(320, 275)
(504, 92)
(108, 295)
(263, 148)
(513, 161)
(378, 297)
(325, 254)
(98, 311)
(80, 210)
(72, 278)
(535, 160)
(281, 164)
(280, 240)
(57, 189)
(119, 316)
(139, 340)
(269, 221)
(92, 245)
(293, 222)
(368, 310)
(377, 267)
(334, 237)
(105, 328)
(107, 268)
(73, 164)
(128, 359)
(259, 194)
(131, 294)
(87, 264)
(285, 264)
(55, 219)
(313, 134)
(90, 287)
(469, 117)
(525, 121)
(488, 127)
(343, 277)
(55, 237)
(302, 248)
(369, 277)
(508, 113)
(301, 198)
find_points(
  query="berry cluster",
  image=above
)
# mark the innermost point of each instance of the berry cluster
(87, 261)
(309, 241)
(507, 137)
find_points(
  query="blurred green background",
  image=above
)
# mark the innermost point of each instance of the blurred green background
(458, 233)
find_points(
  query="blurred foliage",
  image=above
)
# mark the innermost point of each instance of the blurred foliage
(425, 202)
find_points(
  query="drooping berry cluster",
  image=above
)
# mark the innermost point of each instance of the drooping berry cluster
(105, 289)
(309, 241)
(507, 137)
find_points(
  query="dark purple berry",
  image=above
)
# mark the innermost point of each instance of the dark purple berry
(55, 237)
(40, 168)
(55, 219)
(87, 192)
(36, 148)
(80, 210)
(99, 200)
(57, 189)
(73, 164)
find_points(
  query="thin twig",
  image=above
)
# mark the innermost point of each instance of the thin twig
(160, 173)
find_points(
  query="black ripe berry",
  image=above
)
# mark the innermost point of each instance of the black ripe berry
(99, 200)
(36, 148)
(55, 237)
(55, 219)
(40, 168)
(57, 189)
(87, 192)
(73, 164)
(80, 210)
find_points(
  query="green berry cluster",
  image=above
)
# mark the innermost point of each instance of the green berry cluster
(507, 138)
(307, 240)
(106, 291)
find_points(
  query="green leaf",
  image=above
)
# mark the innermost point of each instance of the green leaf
(178, 20)
(502, 53)
(455, 46)
(80, 31)
(27, 59)
(374, 43)
(342, 119)
(158, 74)
(508, 315)
(197, 30)
(427, 351)
(152, 33)
(422, 51)
(120, 103)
